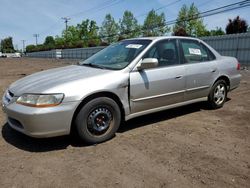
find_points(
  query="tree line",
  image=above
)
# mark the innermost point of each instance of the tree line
(89, 34)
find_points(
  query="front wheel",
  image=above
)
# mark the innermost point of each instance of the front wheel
(98, 120)
(218, 94)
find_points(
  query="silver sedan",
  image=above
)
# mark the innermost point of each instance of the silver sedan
(128, 79)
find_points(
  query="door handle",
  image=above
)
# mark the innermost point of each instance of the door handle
(178, 77)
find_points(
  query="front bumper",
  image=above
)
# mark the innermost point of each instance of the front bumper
(40, 122)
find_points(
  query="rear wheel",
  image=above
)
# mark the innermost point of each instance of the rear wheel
(218, 94)
(98, 120)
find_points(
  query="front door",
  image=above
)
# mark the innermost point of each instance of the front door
(160, 86)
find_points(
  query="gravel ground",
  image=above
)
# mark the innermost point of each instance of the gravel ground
(189, 146)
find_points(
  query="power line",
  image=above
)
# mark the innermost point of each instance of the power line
(169, 4)
(94, 10)
(215, 11)
(219, 10)
(172, 3)
(118, 2)
(204, 3)
(102, 5)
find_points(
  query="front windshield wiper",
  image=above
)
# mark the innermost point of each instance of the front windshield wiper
(93, 65)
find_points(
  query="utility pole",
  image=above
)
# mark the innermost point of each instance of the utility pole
(66, 20)
(36, 36)
(23, 44)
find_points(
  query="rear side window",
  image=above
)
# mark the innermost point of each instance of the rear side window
(194, 52)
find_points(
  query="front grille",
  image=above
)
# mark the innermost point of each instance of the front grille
(15, 123)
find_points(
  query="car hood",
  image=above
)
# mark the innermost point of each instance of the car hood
(45, 81)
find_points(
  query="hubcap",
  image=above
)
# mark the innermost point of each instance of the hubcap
(99, 121)
(219, 94)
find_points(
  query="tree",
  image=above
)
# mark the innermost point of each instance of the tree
(30, 48)
(109, 29)
(155, 25)
(7, 45)
(88, 33)
(237, 25)
(180, 32)
(49, 43)
(129, 27)
(216, 32)
(188, 19)
(49, 40)
(59, 42)
(82, 35)
(71, 36)
(181, 21)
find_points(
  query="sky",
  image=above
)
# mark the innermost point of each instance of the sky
(21, 19)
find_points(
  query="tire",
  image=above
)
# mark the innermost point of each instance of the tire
(98, 120)
(218, 95)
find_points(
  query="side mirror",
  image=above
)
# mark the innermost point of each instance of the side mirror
(148, 63)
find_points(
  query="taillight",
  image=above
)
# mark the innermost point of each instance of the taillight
(238, 66)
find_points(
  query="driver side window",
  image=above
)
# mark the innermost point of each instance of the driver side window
(165, 51)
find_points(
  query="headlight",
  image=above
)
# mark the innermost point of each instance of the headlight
(40, 100)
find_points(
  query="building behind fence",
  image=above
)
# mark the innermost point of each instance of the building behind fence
(236, 45)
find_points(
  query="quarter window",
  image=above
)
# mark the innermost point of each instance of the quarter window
(165, 51)
(194, 52)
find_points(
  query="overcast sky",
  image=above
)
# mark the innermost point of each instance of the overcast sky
(21, 19)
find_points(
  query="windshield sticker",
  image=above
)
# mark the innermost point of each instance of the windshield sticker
(136, 46)
(194, 51)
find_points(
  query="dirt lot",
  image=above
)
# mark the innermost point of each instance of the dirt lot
(185, 147)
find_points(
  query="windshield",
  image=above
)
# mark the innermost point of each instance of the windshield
(117, 56)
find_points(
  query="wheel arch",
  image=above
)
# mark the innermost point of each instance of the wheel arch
(226, 79)
(94, 96)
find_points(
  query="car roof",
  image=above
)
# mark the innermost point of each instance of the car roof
(155, 39)
(163, 37)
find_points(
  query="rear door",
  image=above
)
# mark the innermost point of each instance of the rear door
(201, 68)
(160, 86)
